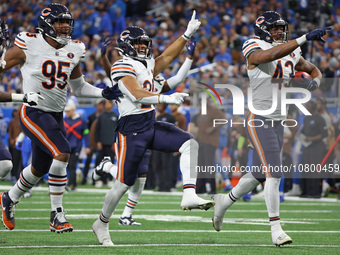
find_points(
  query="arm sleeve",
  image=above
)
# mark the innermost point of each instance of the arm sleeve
(81, 88)
(181, 74)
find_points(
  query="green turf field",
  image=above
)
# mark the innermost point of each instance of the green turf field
(313, 225)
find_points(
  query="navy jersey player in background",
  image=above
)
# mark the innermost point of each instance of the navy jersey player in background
(50, 61)
(137, 129)
(271, 61)
(161, 85)
(30, 98)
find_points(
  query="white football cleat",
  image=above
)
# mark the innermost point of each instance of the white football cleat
(192, 201)
(101, 230)
(219, 211)
(99, 170)
(128, 221)
(281, 239)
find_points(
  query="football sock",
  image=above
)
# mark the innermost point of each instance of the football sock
(112, 169)
(272, 198)
(188, 161)
(246, 184)
(57, 179)
(26, 181)
(112, 199)
(108, 167)
(134, 194)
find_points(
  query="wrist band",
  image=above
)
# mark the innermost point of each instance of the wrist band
(301, 40)
(185, 37)
(317, 80)
(17, 97)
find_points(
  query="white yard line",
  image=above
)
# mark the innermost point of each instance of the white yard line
(175, 193)
(178, 218)
(183, 231)
(169, 245)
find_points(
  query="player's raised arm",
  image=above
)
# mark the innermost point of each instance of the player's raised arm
(182, 73)
(273, 30)
(106, 41)
(175, 49)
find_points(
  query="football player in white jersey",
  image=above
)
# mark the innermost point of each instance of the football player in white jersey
(31, 98)
(137, 129)
(161, 85)
(271, 61)
(50, 61)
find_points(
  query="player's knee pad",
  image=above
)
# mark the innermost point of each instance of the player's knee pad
(5, 167)
(190, 146)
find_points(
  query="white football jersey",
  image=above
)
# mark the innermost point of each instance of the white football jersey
(47, 70)
(263, 77)
(144, 75)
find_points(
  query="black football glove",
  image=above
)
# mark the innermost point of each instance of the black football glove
(112, 93)
(316, 35)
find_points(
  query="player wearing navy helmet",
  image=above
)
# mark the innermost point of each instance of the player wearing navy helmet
(271, 61)
(50, 61)
(137, 129)
(161, 85)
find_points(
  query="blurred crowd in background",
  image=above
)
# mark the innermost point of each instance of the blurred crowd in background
(218, 58)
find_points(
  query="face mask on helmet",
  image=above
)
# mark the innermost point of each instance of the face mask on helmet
(142, 46)
(133, 42)
(57, 23)
(271, 28)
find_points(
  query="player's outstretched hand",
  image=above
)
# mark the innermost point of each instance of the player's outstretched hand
(192, 27)
(106, 41)
(191, 46)
(32, 98)
(175, 98)
(112, 93)
(317, 34)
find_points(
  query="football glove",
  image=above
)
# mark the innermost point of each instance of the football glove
(32, 98)
(191, 46)
(112, 93)
(316, 35)
(175, 98)
(192, 27)
(106, 41)
(305, 83)
(312, 85)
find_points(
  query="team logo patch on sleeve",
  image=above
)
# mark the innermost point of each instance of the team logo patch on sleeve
(70, 55)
